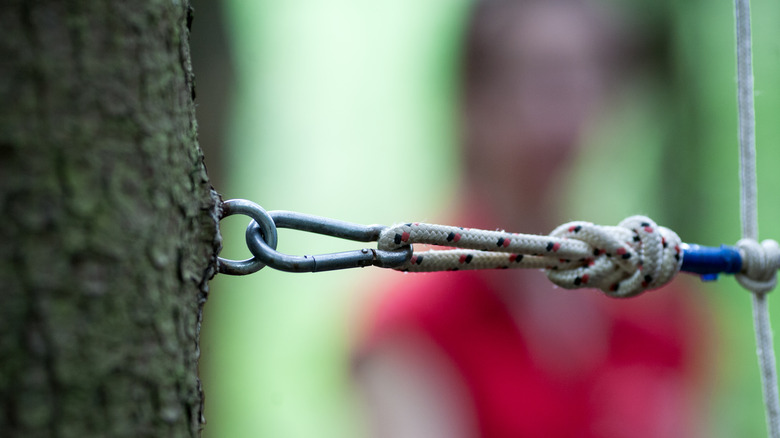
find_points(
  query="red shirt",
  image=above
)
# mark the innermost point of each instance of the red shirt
(635, 380)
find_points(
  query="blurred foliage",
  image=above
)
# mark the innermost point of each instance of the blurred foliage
(347, 109)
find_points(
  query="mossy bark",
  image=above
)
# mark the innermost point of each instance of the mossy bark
(108, 232)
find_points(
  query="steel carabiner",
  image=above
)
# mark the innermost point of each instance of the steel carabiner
(263, 251)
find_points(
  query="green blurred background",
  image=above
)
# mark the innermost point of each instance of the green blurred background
(348, 109)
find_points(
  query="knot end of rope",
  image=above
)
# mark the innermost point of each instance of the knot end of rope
(760, 262)
(635, 256)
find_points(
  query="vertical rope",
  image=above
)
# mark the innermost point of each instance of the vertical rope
(747, 122)
(749, 211)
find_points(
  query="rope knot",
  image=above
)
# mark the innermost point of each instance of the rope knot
(760, 263)
(635, 256)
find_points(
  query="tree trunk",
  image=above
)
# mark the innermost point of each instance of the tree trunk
(109, 223)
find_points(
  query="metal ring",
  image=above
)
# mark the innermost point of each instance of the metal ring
(256, 212)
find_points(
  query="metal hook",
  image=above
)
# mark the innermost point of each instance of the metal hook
(256, 212)
(323, 262)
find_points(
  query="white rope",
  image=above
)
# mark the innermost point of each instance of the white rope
(760, 264)
(759, 276)
(622, 261)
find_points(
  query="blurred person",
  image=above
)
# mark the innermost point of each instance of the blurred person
(504, 353)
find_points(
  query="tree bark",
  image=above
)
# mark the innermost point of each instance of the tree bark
(109, 223)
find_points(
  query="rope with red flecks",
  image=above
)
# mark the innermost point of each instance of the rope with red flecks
(623, 261)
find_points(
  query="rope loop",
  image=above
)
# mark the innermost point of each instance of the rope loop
(760, 263)
(635, 256)
(622, 261)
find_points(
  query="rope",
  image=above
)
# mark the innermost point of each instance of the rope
(761, 262)
(623, 261)
(758, 278)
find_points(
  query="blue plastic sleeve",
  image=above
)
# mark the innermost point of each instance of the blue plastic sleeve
(707, 260)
